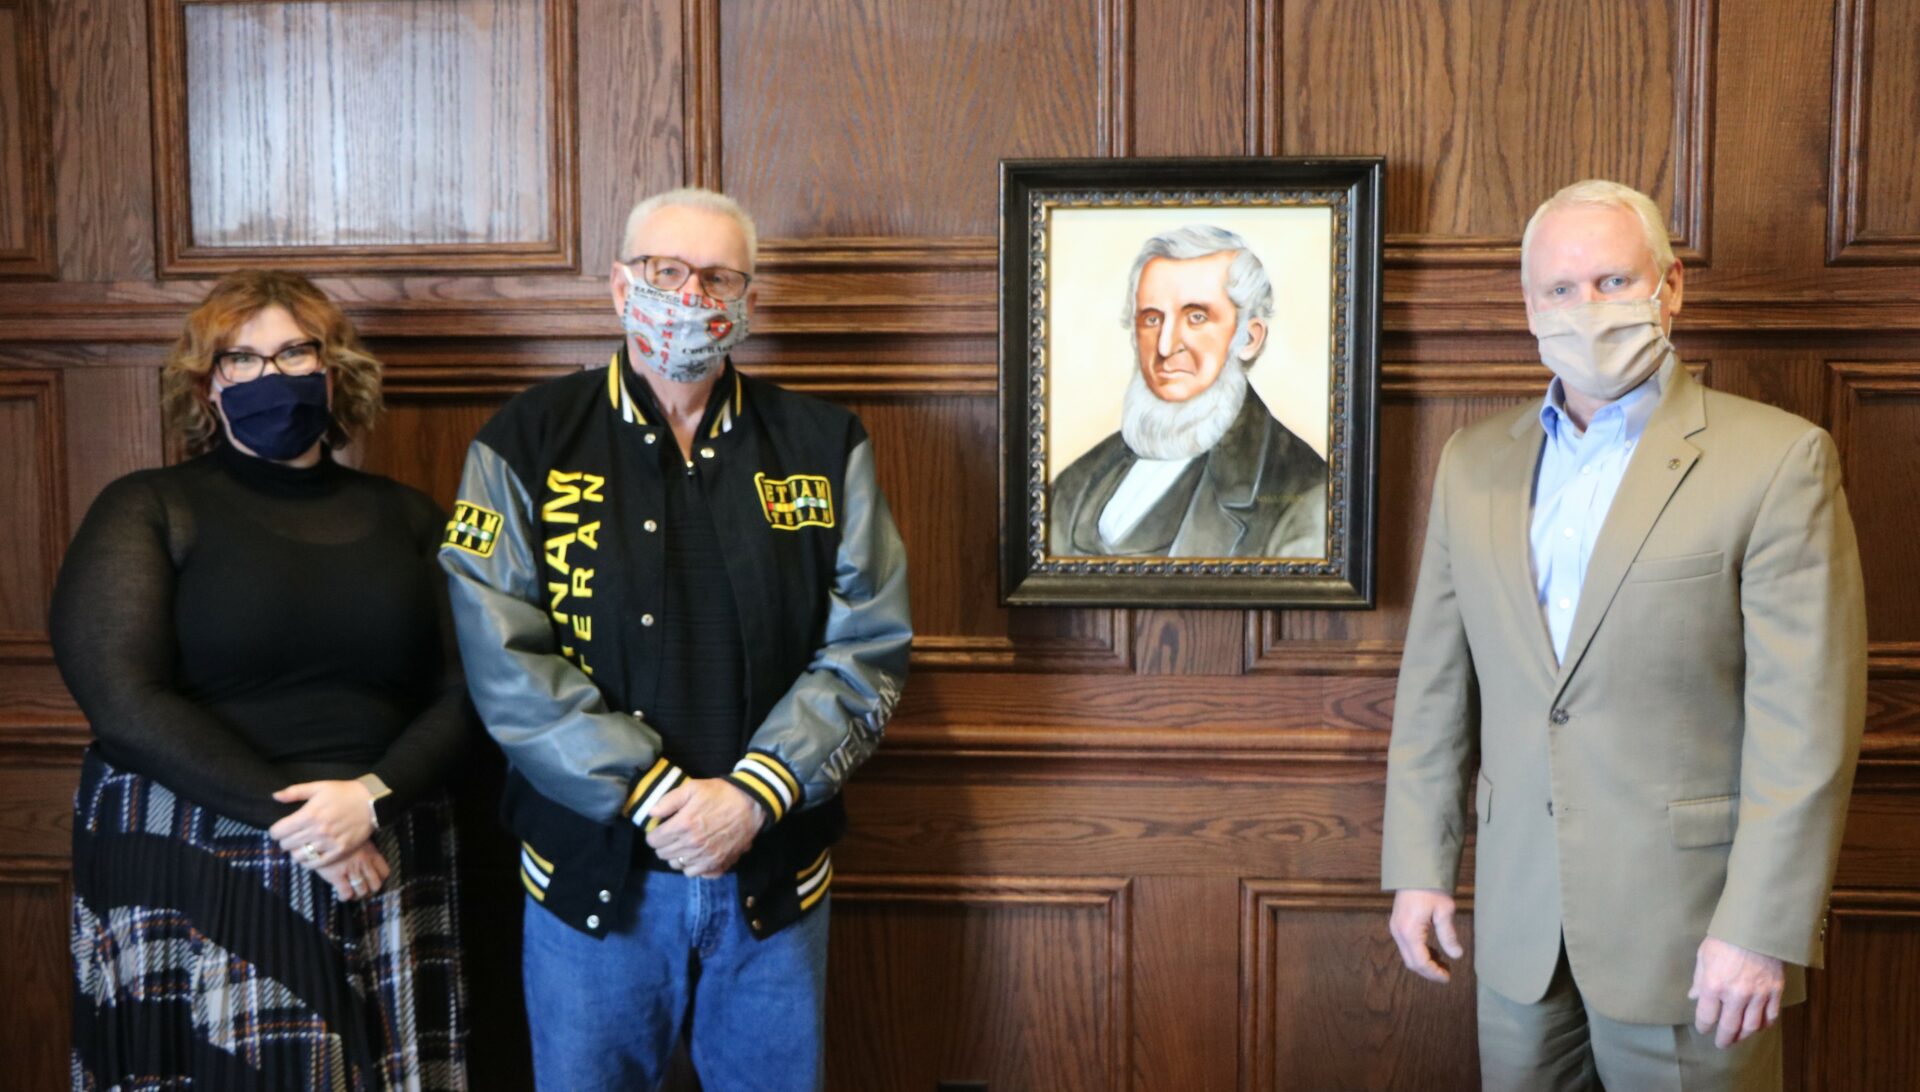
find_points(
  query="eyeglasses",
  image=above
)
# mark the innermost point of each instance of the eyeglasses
(240, 366)
(669, 274)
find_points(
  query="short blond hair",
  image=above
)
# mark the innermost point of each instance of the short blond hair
(1601, 193)
(692, 197)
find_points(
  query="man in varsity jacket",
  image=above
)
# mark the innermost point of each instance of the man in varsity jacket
(682, 604)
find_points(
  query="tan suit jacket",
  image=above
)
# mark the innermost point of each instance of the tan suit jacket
(1685, 771)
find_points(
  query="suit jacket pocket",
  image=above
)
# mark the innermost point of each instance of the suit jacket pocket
(1483, 799)
(1706, 821)
(1650, 569)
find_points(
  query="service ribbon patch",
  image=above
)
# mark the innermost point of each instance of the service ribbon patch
(473, 529)
(804, 500)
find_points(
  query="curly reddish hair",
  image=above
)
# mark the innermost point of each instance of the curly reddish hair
(236, 298)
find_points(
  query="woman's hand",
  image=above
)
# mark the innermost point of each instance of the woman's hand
(358, 874)
(336, 819)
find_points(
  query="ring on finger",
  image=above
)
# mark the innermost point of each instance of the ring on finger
(312, 851)
(357, 883)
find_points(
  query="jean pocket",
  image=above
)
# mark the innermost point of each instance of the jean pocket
(1705, 821)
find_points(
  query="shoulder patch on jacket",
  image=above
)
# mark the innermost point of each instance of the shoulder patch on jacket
(803, 500)
(473, 529)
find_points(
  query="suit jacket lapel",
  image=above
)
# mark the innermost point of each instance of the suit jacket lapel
(1512, 503)
(1659, 464)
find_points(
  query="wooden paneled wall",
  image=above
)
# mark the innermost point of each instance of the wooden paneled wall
(1102, 849)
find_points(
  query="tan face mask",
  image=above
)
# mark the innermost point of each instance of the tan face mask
(1604, 348)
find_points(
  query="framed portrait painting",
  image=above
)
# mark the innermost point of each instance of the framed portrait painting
(1189, 378)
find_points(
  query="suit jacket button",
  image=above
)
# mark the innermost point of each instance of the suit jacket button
(756, 925)
(606, 896)
(1559, 716)
(749, 902)
(593, 921)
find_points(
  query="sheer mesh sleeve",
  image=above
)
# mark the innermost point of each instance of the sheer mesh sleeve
(434, 741)
(113, 637)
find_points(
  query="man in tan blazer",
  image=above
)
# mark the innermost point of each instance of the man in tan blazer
(1639, 638)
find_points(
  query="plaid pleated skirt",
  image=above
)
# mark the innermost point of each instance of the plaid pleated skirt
(205, 958)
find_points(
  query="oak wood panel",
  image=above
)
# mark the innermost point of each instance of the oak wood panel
(103, 144)
(371, 134)
(1028, 978)
(1421, 406)
(432, 415)
(1863, 1030)
(1874, 210)
(26, 137)
(112, 428)
(630, 117)
(36, 803)
(946, 92)
(1185, 52)
(1328, 1004)
(1475, 103)
(1874, 418)
(937, 462)
(32, 478)
(35, 903)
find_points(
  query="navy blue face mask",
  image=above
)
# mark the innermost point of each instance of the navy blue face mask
(278, 416)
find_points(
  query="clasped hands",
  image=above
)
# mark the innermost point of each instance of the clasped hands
(705, 825)
(331, 835)
(1736, 991)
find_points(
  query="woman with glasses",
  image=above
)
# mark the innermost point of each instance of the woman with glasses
(263, 855)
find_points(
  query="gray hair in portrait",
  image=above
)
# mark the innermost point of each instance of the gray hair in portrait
(1157, 429)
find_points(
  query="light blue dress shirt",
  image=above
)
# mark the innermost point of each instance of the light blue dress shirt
(1579, 474)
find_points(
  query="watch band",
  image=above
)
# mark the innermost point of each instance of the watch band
(376, 791)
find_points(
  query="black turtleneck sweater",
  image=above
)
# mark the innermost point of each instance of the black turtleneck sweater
(231, 626)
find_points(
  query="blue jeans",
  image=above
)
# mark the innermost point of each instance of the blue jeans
(606, 1014)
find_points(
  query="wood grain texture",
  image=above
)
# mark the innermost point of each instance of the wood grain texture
(112, 428)
(1178, 758)
(629, 94)
(1874, 417)
(1028, 977)
(1328, 1005)
(35, 903)
(1874, 211)
(103, 144)
(1873, 945)
(26, 140)
(946, 92)
(32, 478)
(372, 134)
(1476, 104)
(936, 458)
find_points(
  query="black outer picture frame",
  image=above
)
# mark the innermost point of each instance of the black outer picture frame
(1352, 186)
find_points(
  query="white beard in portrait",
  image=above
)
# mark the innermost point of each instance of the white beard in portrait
(1157, 429)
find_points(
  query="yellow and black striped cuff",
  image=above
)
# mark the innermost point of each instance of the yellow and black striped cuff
(767, 780)
(660, 779)
(815, 879)
(536, 872)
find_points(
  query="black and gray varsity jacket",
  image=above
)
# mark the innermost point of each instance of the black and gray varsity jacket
(556, 562)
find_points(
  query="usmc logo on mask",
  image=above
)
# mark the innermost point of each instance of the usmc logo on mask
(803, 500)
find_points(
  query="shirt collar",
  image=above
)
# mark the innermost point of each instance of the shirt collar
(633, 399)
(1626, 416)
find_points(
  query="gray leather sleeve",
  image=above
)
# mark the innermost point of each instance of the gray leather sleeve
(546, 714)
(834, 715)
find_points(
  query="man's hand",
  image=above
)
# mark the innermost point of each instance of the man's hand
(357, 874)
(705, 825)
(1738, 991)
(336, 819)
(1413, 911)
